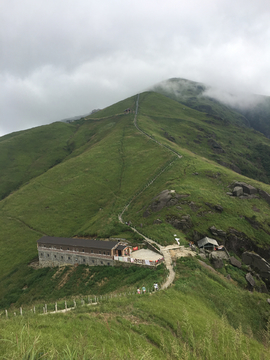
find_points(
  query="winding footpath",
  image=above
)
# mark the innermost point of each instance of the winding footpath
(164, 250)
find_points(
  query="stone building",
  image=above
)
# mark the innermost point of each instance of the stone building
(55, 251)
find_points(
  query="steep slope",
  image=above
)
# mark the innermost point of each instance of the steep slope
(241, 108)
(75, 179)
(204, 316)
(27, 154)
(111, 162)
(222, 133)
(81, 196)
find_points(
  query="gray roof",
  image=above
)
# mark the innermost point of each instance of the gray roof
(206, 241)
(88, 243)
(121, 247)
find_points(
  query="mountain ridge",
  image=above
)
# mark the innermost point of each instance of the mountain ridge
(99, 164)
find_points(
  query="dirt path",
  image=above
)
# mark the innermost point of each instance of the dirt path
(165, 251)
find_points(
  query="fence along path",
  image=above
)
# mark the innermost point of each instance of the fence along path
(64, 305)
(162, 249)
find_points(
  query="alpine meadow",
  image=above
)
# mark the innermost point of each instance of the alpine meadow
(163, 170)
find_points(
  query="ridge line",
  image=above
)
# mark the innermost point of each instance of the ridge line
(163, 249)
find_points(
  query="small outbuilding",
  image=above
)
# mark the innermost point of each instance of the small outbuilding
(207, 243)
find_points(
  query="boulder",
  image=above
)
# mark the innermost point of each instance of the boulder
(166, 198)
(257, 263)
(217, 263)
(219, 208)
(237, 191)
(250, 279)
(213, 230)
(235, 262)
(248, 189)
(183, 223)
(217, 232)
(265, 196)
(221, 233)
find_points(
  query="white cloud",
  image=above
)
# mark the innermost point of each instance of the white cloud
(64, 58)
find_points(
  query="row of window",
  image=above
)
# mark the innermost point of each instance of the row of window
(92, 251)
(69, 258)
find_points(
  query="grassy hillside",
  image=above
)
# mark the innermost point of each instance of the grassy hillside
(109, 162)
(225, 142)
(241, 108)
(75, 179)
(192, 94)
(81, 196)
(203, 180)
(27, 154)
(203, 316)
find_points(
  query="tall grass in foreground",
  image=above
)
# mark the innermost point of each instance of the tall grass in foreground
(97, 334)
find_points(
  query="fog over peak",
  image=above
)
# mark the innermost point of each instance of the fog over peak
(238, 100)
(60, 59)
(182, 89)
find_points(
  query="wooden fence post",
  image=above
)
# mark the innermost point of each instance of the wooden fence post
(56, 307)
(6, 313)
(65, 304)
(34, 309)
(21, 310)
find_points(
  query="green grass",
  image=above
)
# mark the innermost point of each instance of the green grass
(192, 130)
(203, 316)
(210, 186)
(52, 284)
(77, 182)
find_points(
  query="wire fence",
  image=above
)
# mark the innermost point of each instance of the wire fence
(64, 306)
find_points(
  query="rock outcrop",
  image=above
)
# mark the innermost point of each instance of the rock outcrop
(259, 264)
(215, 146)
(183, 223)
(216, 207)
(237, 191)
(243, 190)
(166, 198)
(235, 262)
(265, 196)
(250, 279)
(217, 263)
(217, 232)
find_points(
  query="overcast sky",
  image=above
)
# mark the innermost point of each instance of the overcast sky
(62, 58)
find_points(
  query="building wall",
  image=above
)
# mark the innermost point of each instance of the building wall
(77, 249)
(50, 258)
